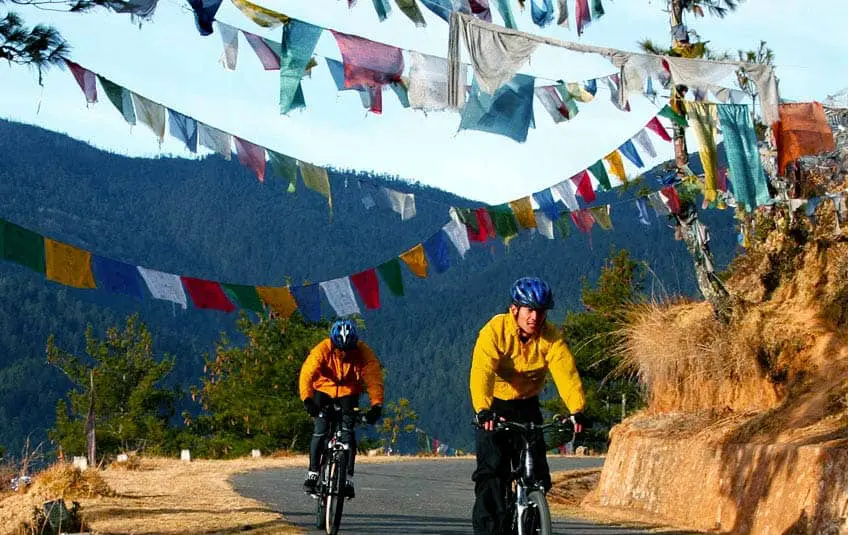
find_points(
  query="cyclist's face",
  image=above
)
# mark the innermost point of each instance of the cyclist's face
(529, 320)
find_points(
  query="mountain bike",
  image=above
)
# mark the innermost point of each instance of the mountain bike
(332, 475)
(525, 496)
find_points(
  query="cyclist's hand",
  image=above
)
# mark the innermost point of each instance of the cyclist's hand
(486, 419)
(374, 414)
(579, 421)
(311, 407)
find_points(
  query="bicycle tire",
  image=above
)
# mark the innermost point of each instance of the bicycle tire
(335, 497)
(321, 495)
(537, 518)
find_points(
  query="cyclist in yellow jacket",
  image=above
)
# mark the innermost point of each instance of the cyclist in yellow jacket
(512, 356)
(334, 372)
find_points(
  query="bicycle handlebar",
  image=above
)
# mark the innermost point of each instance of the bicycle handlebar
(501, 424)
(359, 416)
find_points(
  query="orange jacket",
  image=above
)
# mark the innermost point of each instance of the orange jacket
(337, 374)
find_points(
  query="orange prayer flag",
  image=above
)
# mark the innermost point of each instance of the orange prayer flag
(523, 211)
(68, 265)
(416, 260)
(803, 130)
(279, 299)
(616, 165)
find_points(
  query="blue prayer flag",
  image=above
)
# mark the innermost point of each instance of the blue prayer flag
(308, 300)
(117, 277)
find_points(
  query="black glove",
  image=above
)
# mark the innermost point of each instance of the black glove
(374, 414)
(311, 407)
(484, 416)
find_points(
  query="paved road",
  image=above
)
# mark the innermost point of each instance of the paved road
(410, 498)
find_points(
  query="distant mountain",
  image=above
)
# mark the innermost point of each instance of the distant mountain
(212, 219)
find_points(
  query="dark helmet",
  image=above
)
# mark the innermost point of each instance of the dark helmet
(532, 292)
(343, 334)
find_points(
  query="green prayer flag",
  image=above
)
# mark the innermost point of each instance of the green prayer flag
(284, 167)
(675, 117)
(506, 13)
(597, 9)
(245, 296)
(390, 273)
(23, 246)
(410, 9)
(383, 8)
(120, 98)
(503, 220)
(600, 173)
(562, 224)
(298, 44)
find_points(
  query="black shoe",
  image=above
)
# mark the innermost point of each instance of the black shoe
(349, 491)
(310, 483)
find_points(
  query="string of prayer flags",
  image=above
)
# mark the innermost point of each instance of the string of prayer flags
(390, 273)
(116, 277)
(298, 44)
(86, 80)
(308, 299)
(207, 294)
(436, 247)
(204, 14)
(165, 286)
(68, 265)
(743, 158)
(803, 130)
(246, 297)
(22, 246)
(416, 260)
(280, 299)
(151, 114)
(366, 284)
(702, 116)
(251, 156)
(340, 295)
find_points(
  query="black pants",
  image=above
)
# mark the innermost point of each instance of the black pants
(494, 451)
(322, 428)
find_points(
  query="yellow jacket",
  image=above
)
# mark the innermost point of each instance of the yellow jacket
(505, 368)
(330, 371)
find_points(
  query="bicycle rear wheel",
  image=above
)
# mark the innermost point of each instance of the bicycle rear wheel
(536, 519)
(335, 496)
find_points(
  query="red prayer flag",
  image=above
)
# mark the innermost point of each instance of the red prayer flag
(584, 185)
(366, 284)
(369, 65)
(583, 220)
(270, 59)
(207, 294)
(485, 227)
(252, 156)
(582, 14)
(656, 126)
(671, 197)
(86, 80)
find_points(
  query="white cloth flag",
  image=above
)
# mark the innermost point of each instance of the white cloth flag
(495, 56)
(565, 191)
(339, 293)
(458, 235)
(428, 82)
(214, 139)
(645, 142)
(165, 286)
(544, 225)
(229, 36)
(658, 203)
(402, 203)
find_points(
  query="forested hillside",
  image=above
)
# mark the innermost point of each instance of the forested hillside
(212, 219)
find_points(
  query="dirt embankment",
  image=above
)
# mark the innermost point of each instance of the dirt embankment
(746, 430)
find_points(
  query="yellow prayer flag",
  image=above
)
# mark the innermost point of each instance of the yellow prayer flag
(579, 93)
(703, 118)
(416, 260)
(279, 299)
(316, 179)
(616, 165)
(260, 15)
(68, 265)
(523, 211)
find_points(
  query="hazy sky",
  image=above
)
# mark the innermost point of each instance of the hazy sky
(168, 61)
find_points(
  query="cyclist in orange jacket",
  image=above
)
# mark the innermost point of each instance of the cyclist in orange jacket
(512, 356)
(334, 372)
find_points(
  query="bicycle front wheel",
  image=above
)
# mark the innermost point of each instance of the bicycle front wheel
(335, 497)
(536, 519)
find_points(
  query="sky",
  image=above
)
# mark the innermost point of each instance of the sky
(166, 60)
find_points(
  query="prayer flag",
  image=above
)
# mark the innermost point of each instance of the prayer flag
(183, 128)
(22, 246)
(120, 97)
(523, 211)
(68, 265)
(86, 80)
(279, 298)
(165, 286)
(616, 165)
(416, 260)
(308, 298)
(366, 284)
(629, 150)
(390, 273)
(436, 247)
(251, 156)
(207, 294)
(584, 185)
(340, 295)
(117, 277)
(245, 296)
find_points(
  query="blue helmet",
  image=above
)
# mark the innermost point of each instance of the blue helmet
(343, 334)
(532, 292)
